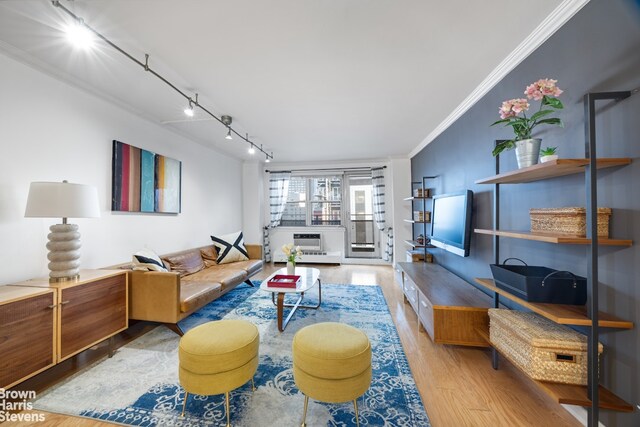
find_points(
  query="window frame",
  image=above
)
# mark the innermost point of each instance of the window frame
(309, 202)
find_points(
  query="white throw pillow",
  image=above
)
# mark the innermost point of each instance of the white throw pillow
(148, 260)
(230, 248)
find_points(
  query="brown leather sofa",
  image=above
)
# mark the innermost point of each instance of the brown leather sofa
(194, 280)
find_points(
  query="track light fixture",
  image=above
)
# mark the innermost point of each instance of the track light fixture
(79, 35)
(83, 35)
(252, 150)
(189, 110)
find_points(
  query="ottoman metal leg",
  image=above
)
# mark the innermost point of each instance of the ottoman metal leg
(355, 405)
(226, 405)
(304, 413)
(184, 403)
(253, 385)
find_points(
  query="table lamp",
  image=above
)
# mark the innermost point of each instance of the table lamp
(62, 200)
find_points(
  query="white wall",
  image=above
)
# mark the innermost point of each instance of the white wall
(50, 131)
(252, 201)
(399, 175)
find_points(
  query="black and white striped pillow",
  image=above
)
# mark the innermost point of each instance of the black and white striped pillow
(230, 248)
(148, 260)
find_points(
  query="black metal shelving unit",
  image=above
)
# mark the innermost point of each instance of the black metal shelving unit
(424, 194)
(591, 164)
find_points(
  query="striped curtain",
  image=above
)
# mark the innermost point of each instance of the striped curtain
(388, 253)
(379, 214)
(278, 192)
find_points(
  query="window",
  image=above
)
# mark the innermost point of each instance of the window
(313, 201)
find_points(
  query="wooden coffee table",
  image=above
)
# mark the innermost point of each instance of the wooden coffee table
(308, 279)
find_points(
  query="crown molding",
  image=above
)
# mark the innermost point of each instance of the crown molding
(552, 23)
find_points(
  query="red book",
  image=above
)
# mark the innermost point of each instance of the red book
(283, 281)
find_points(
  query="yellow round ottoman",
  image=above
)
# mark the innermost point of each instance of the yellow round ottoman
(331, 363)
(217, 357)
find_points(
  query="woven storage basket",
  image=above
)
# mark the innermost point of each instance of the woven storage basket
(570, 221)
(544, 350)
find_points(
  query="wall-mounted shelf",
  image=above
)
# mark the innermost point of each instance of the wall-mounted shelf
(575, 315)
(552, 169)
(415, 244)
(554, 238)
(408, 199)
(571, 394)
(413, 221)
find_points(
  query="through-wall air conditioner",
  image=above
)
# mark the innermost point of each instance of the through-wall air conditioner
(312, 250)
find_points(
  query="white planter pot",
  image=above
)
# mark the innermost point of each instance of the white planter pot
(291, 268)
(527, 152)
(549, 158)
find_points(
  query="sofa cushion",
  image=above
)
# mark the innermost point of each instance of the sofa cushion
(186, 262)
(252, 266)
(147, 260)
(195, 294)
(230, 248)
(209, 255)
(226, 274)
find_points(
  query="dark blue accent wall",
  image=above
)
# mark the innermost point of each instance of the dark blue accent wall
(597, 50)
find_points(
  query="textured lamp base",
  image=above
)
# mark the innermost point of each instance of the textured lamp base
(64, 252)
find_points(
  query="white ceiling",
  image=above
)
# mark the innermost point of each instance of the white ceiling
(320, 80)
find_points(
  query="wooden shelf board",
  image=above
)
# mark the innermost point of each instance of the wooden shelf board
(553, 238)
(577, 395)
(413, 243)
(575, 315)
(572, 394)
(552, 169)
(413, 221)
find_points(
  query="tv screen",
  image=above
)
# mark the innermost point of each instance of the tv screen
(451, 222)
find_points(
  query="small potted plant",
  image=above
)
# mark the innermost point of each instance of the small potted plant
(548, 154)
(292, 253)
(513, 112)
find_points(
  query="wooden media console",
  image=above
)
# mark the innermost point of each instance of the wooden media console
(451, 310)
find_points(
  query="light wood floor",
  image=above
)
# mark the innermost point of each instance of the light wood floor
(457, 384)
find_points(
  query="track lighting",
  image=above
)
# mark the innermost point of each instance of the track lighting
(189, 110)
(267, 160)
(84, 36)
(79, 35)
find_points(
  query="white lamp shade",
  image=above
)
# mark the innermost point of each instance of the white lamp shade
(62, 200)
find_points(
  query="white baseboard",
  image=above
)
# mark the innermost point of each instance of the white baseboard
(365, 261)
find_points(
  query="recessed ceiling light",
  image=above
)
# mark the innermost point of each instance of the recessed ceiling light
(79, 35)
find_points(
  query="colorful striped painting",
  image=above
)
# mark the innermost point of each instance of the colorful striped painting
(144, 181)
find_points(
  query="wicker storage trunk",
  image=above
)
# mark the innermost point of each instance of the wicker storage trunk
(544, 350)
(570, 221)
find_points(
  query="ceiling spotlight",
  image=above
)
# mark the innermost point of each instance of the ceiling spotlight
(79, 35)
(228, 134)
(267, 160)
(252, 150)
(189, 110)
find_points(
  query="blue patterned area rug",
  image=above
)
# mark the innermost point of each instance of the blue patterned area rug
(139, 384)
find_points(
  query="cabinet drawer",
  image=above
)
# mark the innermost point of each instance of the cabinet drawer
(425, 314)
(411, 292)
(91, 313)
(26, 338)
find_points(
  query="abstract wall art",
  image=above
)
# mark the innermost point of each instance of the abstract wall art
(144, 181)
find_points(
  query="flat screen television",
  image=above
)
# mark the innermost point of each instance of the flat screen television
(451, 222)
